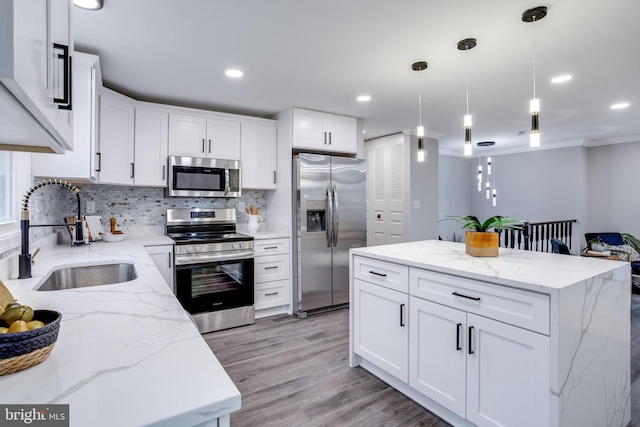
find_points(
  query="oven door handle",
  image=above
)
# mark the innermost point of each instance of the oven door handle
(208, 258)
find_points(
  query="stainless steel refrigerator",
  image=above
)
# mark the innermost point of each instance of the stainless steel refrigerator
(329, 204)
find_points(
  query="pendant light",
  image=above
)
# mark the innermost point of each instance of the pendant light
(466, 45)
(494, 195)
(89, 4)
(533, 15)
(420, 66)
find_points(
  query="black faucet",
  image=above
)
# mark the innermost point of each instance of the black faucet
(24, 259)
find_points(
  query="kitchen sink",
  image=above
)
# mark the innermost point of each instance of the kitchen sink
(90, 275)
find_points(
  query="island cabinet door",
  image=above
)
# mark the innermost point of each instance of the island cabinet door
(438, 353)
(507, 375)
(381, 333)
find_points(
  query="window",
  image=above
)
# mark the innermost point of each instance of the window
(6, 186)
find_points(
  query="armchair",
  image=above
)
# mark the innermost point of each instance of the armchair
(615, 239)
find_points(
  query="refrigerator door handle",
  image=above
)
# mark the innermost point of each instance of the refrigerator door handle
(335, 223)
(329, 214)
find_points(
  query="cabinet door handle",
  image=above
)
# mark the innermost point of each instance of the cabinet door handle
(169, 254)
(274, 177)
(270, 294)
(271, 268)
(99, 161)
(270, 247)
(164, 167)
(133, 170)
(325, 138)
(203, 145)
(401, 314)
(465, 296)
(377, 274)
(470, 344)
(458, 328)
(209, 146)
(65, 101)
(329, 138)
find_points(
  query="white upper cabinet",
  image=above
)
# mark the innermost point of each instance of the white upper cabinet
(151, 145)
(79, 165)
(187, 135)
(61, 69)
(223, 139)
(33, 71)
(258, 156)
(199, 136)
(116, 152)
(318, 131)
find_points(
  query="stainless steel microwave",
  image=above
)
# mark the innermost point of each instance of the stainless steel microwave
(200, 177)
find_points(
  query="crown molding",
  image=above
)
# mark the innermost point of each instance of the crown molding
(492, 151)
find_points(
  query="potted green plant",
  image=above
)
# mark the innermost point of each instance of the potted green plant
(482, 237)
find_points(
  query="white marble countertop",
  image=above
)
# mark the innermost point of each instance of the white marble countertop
(127, 354)
(530, 270)
(266, 231)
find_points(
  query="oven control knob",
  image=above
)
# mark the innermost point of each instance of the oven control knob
(237, 245)
(190, 250)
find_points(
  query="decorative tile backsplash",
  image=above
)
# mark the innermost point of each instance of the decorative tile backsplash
(147, 206)
(139, 206)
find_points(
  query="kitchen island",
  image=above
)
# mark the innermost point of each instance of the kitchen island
(524, 339)
(127, 354)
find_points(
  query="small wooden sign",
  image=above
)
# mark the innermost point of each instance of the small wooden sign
(481, 244)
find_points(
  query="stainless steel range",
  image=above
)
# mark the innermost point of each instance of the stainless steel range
(214, 267)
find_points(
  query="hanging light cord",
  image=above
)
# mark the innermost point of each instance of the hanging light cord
(468, 80)
(534, 58)
(420, 97)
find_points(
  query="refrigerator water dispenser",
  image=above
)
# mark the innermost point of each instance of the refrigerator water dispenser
(316, 211)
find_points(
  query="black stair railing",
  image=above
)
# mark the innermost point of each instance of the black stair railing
(536, 236)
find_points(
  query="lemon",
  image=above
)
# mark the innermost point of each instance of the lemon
(18, 326)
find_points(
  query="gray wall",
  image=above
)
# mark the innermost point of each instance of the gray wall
(457, 180)
(613, 176)
(543, 185)
(423, 185)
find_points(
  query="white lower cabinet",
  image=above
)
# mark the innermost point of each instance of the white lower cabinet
(437, 353)
(271, 274)
(380, 330)
(488, 372)
(435, 332)
(507, 375)
(162, 257)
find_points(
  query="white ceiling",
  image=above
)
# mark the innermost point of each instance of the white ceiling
(322, 54)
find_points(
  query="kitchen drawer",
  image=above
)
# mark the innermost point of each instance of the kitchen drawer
(272, 294)
(529, 310)
(270, 247)
(383, 273)
(270, 268)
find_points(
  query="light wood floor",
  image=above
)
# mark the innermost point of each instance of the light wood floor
(293, 372)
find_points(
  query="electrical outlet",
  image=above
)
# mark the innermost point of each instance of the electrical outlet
(91, 207)
(416, 204)
(241, 206)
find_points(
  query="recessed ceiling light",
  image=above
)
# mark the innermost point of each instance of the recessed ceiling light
(620, 105)
(363, 98)
(234, 73)
(561, 79)
(89, 4)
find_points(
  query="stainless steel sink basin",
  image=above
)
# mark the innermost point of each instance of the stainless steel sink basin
(90, 275)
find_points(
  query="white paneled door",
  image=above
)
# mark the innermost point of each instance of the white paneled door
(385, 190)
